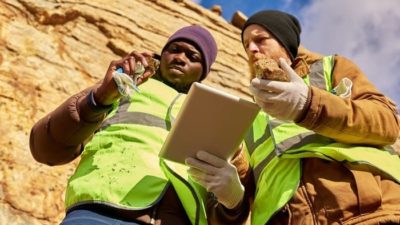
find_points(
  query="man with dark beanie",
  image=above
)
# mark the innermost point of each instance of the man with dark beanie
(118, 179)
(277, 23)
(318, 151)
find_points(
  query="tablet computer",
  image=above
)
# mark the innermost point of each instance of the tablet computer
(210, 120)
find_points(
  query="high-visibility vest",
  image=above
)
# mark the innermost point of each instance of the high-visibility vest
(276, 147)
(120, 166)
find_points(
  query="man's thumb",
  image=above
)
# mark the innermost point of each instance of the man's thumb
(293, 77)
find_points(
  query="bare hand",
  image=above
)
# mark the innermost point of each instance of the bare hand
(107, 92)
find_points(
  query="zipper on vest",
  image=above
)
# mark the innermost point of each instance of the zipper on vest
(154, 214)
(155, 204)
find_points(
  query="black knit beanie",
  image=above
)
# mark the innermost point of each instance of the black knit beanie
(285, 28)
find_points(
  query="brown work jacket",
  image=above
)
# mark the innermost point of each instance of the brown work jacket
(333, 192)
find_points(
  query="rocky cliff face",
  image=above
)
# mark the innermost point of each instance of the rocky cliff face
(50, 49)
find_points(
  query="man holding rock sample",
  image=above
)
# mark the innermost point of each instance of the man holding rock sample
(318, 152)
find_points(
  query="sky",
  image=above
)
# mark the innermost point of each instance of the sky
(367, 32)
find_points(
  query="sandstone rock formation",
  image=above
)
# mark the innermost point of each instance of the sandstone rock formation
(238, 19)
(217, 9)
(50, 49)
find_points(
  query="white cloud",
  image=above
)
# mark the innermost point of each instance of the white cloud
(367, 32)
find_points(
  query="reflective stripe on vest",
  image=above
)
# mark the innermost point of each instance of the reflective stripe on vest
(123, 116)
(321, 73)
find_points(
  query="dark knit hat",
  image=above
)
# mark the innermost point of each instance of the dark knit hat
(202, 40)
(285, 28)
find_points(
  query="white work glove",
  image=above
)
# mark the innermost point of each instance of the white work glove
(217, 176)
(282, 100)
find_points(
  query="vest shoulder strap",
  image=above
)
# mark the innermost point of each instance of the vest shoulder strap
(321, 73)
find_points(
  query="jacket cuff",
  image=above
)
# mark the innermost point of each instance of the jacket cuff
(95, 106)
(235, 210)
(90, 111)
(307, 105)
(313, 110)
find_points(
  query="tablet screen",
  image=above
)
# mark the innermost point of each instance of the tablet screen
(210, 120)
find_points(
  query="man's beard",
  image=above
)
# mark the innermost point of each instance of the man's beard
(182, 88)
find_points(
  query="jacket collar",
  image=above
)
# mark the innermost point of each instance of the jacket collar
(303, 61)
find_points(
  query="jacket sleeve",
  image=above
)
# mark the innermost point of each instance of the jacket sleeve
(219, 215)
(367, 117)
(60, 136)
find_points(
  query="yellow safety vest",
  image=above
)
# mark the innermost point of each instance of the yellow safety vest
(120, 166)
